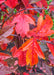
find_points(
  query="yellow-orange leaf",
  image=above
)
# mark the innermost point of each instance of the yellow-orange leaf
(31, 57)
(43, 28)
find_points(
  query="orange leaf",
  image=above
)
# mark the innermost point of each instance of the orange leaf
(39, 23)
(43, 28)
(31, 57)
(32, 49)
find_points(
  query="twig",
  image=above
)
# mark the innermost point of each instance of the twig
(35, 8)
(10, 16)
(51, 42)
(6, 52)
(20, 11)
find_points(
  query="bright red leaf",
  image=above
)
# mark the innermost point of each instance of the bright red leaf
(45, 27)
(51, 47)
(13, 50)
(51, 7)
(22, 58)
(4, 46)
(42, 3)
(21, 55)
(11, 3)
(24, 73)
(4, 56)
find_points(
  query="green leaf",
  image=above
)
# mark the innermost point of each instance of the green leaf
(2, 17)
(48, 2)
(52, 36)
(38, 15)
(53, 24)
(46, 11)
(15, 11)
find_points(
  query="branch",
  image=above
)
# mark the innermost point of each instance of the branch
(37, 9)
(50, 42)
(44, 41)
(6, 52)
(10, 16)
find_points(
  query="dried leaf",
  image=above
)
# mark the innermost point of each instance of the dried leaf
(5, 32)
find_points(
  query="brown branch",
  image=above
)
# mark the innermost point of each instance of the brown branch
(44, 41)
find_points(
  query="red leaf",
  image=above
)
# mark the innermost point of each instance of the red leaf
(13, 50)
(4, 46)
(2, 7)
(3, 62)
(24, 73)
(21, 55)
(11, 4)
(32, 49)
(42, 3)
(51, 7)
(22, 58)
(4, 56)
(8, 22)
(22, 26)
(25, 2)
(43, 28)
(51, 47)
